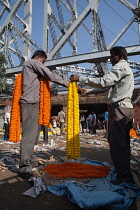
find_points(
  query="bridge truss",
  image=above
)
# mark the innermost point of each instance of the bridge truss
(71, 32)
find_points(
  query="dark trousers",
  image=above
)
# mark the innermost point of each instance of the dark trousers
(90, 127)
(6, 131)
(29, 115)
(119, 125)
(43, 128)
(94, 129)
(83, 125)
(62, 124)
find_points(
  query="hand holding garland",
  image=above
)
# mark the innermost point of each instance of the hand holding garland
(75, 78)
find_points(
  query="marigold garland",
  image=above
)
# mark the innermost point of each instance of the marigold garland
(44, 112)
(14, 131)
(73, 125)
(76, 170)
(45, 95)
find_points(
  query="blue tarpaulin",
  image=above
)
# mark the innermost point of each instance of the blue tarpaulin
(98, 192)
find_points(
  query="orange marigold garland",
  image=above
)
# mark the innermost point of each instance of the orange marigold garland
(41, 102)
(76, 170)
(45, 96)
(44, 112)
(14, 132)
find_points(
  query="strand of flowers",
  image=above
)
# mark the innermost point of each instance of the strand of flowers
(45, 98)
(14, 131)
(76, 170)
(76, 122)
(69, 144)
(73, 126)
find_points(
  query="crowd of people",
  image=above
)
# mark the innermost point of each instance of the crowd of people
(90, 122)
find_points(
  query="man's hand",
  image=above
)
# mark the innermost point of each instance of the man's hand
(74, 78)
(82, 91)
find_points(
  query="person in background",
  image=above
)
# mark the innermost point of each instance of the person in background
(99, 124)
(54, 123)
(94, 122)
(43, 128)
(82, 121)
(137, 125)
(61, 119)
(106, 123)
(119, 81)
(32, 71)
(89, 119)
(7, 124)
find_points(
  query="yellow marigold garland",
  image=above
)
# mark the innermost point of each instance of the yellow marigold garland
(73, 124)
(44, 112)
(76, 170)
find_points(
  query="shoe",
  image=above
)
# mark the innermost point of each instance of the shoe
(120, 181)
(24, 175)
(5, 139)
(34, 163)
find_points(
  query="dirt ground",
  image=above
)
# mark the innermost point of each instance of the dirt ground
(12, 187)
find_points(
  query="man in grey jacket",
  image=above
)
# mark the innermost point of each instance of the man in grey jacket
(32, 71)
(120, 83)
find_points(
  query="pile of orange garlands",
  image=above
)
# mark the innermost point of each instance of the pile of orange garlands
(44, 112)
(76, 170)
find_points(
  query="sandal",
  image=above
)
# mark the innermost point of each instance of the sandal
(27, 175)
